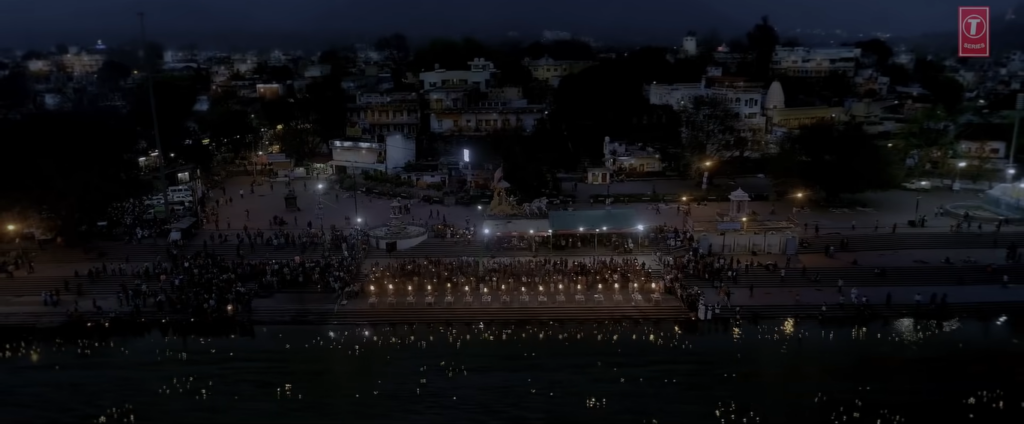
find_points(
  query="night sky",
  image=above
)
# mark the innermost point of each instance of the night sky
(250, 23)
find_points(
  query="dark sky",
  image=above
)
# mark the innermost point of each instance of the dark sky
(314, 23)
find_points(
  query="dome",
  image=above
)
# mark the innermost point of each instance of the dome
(776, 97)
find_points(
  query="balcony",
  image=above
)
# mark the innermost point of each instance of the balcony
(389, 120)
(361, 145)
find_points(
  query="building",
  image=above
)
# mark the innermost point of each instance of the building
(869, 81)
(552, 71)
(271, 91)
(621, 157)
(383, 154)
(689, 45)
(39, 65)
(779, 119)
(451, 97)
(482, 120)
(808, 62)
(82, 63)
(745, 97)
(675, 95)
(985, 145)
(876, 117)
(385, 113)
(505, 94)
(478, 76)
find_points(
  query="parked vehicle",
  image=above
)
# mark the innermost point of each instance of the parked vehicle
(917, 185)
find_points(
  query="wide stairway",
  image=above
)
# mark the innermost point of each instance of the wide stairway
(443, 248)
(858, 276)
(869, 241)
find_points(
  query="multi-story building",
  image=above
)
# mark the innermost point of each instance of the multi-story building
(869, 80)
(379, 154)
(482, 120)
(808, 62)
(744, 97)
(478, 76)
(552, 71)
(385, 113)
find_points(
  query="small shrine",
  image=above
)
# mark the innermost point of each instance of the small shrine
(739, 204)
(291, 201)
(395, 226)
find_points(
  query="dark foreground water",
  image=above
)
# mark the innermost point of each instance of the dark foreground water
(774, 372)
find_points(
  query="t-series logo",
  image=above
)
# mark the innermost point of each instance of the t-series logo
(974, 31)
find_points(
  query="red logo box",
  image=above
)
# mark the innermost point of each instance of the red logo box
(974, 31)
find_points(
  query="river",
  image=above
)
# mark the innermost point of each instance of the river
(786, 371)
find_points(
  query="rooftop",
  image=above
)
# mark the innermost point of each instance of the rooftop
(610, 220)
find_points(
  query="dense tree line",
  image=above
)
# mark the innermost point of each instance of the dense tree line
(72, 165)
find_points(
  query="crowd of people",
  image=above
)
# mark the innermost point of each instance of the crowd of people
(126, 221)
(304, 239)
(553, 275)
(204, 284)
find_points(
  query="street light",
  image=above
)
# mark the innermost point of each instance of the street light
(320, 205)
(959, 166)
(744, 219)
(704, 182)
(640, 236)
(10, 227)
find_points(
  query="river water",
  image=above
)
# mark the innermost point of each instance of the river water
(771, 372)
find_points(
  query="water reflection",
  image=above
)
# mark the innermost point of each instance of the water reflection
(790, 371)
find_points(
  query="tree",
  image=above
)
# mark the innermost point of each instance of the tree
(112, 73)
(529, 175)
(15, 90)
(837, 159)
(395, 48)
(874, 52)
(89, 163)
(175, 98)
(325, 106)
(946, 92)
(761, 41)
(230, 126)
(926, 142)
(299, 140)
(709, 128)
(603, 100)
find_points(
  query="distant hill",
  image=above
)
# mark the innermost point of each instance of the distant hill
(1006, 36)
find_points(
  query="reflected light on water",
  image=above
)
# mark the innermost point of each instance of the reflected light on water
(788, 326)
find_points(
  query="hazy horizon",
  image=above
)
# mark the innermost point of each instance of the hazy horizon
(314, 24)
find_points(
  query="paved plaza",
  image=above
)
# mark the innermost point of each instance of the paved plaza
(885, 207)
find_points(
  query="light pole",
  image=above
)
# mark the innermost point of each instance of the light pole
(1016, 125)
(640, 236)
(355, 202)
(704, 182)
(152, 108)
(956, 180)
(320, 205)
(917, 207)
